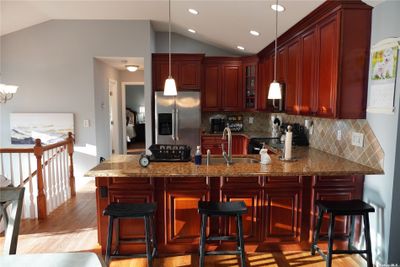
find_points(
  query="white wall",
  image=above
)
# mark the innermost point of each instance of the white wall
(52, 63)
(102, 74)
(384, 189)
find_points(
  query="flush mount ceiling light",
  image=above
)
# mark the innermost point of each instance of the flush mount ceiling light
(170, 85)
(132, 68)
(7, 92)
(278, 8)
(191, 30)
(193, 11)
(240, 47)
(255, 33)
(275, 88)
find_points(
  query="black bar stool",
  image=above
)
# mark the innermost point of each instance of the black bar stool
(348, 208)
(234, 209)
(132, 210)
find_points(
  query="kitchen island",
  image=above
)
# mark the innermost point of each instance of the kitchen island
(279, 197)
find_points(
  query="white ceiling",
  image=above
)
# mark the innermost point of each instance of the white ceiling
(223, 23)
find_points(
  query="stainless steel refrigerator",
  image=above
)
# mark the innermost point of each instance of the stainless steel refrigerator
(178, 119)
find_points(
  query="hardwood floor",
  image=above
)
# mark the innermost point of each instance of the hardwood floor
(72, 227)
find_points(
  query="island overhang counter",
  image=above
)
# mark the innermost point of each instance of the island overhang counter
(280, 198)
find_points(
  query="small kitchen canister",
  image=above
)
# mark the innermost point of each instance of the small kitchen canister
(264, 157)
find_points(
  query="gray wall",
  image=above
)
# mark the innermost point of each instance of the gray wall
(53, 64)
(102, 74)
(183, 44)
(134, 97)
(384, 189)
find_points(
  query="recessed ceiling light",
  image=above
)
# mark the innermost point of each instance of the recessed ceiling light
(278, 8)
(191, 30)
(193, 11)
(240, 47)
(132, 68)
(255, 33)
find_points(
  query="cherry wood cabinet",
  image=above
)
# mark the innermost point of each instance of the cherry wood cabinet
(250, 79)
(222, 89)
(281, 210)
(323, 61)
(292, 77)
(186, 69)
(214, 144)
(335, 188)
(306, 92)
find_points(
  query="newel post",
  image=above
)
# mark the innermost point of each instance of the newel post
(70, 148)
(41, 198)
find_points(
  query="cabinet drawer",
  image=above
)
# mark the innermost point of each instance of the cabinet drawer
(187, 182)
(349, 180)
(137, 183)
(277, 180)
(241, 182)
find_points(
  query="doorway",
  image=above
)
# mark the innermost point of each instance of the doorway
(134, 113)
(113, 103)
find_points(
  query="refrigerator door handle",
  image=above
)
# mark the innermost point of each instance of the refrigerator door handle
(177, 124)
(173, 124)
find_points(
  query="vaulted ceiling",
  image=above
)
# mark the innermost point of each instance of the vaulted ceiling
(223, 23)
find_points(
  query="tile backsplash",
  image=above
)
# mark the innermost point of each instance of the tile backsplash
(323, 135)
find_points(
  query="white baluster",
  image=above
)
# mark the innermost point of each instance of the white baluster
(66, 172)
(59, 181)
(11, 169)
(32, 206)
(2, 164)
(51, 180)
(21, 175)
(65, 193)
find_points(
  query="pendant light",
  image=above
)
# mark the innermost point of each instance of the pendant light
(170, 86)
(275, 88)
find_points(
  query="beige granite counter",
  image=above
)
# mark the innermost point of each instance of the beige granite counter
(309, 162)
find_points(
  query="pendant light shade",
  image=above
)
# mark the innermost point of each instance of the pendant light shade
(274, 91)
(169, 86)
(275, 88)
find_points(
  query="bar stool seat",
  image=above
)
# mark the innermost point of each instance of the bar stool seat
(347, 208)
(130, 210)
(117, 211)
(232, 209)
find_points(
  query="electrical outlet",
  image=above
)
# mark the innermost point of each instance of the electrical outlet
(339, 135)
(357, 139)
(251, 120)
(86, 123)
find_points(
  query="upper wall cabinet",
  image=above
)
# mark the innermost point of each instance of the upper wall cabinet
(250, 73)
(186, 69)
(323, 61)
(222, 89)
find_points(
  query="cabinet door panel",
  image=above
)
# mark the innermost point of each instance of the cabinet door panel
(131, 228)
(308, 73)
(282, 215)
(183, 221)
(211, 93)
(231, 88)
(327, 68)
(189, 76)
(252, 220)
(292, 84)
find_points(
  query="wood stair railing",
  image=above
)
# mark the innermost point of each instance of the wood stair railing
(54, 173)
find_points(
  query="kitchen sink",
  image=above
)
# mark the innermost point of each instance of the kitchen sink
(234, 160)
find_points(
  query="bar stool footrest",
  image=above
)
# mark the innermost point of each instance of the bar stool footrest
(222, 252)
(132, 240)
(222, 238)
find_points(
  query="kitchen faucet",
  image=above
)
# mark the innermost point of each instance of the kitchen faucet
(227, 157)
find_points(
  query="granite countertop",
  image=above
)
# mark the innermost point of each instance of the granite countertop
(309, 162)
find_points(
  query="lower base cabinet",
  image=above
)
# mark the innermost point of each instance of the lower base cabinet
(279, 208)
